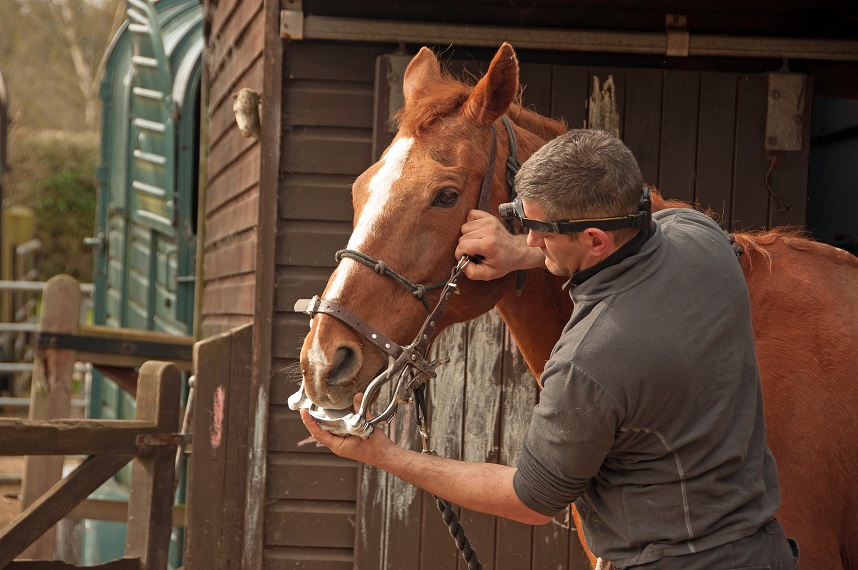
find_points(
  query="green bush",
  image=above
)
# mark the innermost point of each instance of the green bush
(53, 173)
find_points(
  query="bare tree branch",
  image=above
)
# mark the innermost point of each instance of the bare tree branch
(85, 77)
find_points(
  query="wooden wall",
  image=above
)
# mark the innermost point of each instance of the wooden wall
(698, 136)
(233, 58)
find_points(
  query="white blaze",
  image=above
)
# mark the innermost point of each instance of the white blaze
(380, 185)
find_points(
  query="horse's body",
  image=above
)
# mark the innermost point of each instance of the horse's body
(804, 297)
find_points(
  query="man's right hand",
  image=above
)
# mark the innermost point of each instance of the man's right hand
(501, 252)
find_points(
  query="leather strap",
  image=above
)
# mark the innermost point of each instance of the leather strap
(317, 305)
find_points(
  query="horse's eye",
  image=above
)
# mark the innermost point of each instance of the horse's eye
(446, 198)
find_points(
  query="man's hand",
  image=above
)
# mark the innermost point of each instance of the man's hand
(351, 447)
(501, 252)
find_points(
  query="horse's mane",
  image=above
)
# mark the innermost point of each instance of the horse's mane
(531, 121)
(758, 243)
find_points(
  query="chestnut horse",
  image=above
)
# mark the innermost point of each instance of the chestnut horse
(410, 205)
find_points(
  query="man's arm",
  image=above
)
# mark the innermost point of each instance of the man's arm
(485, 235)
(482, 487)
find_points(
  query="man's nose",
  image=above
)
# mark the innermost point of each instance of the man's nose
(534, 239)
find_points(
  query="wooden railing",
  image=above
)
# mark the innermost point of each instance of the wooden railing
(150, 441)
(60, 341)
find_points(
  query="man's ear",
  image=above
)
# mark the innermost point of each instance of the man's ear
(598, 242)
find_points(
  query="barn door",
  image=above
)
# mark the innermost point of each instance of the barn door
(703, 137)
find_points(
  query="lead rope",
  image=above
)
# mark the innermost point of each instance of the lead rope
(447, 513)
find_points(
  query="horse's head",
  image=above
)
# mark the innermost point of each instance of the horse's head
(409, 208)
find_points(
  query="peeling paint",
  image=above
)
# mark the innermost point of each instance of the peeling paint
(216, 429)
(256, 485)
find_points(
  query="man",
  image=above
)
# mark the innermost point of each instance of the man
(651, 416)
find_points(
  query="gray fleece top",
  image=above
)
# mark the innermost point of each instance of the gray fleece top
(651, 416)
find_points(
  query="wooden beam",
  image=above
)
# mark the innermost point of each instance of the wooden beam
(49, 508)
(73, 437)
(50, 395)
(125, 378)
(115, 511)
(655, 43)
(132, 335)
(151, 499)
(120, 564)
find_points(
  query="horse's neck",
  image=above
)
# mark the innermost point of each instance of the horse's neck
(537, 317)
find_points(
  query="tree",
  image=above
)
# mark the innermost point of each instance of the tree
(51, 53)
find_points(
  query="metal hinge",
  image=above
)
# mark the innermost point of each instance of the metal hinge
(145, 440)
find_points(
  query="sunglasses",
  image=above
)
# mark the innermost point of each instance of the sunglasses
(515, 211)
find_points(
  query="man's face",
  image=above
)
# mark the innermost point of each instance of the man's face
(563, 256)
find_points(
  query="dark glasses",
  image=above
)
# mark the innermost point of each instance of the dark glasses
(515, 211)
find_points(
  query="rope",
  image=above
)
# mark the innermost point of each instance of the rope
(458, 534)
(450, 518)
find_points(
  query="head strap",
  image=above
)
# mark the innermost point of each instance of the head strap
(640, 220)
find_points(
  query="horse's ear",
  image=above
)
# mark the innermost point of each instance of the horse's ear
(496, 91)
(423, 72)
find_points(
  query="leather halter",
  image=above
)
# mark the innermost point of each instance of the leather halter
(407, 362)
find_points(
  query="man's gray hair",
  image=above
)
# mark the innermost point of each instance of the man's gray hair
(582, 174)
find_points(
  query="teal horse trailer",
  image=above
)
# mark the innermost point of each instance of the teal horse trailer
(148, 175)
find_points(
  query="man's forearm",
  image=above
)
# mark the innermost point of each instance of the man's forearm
(482, 487)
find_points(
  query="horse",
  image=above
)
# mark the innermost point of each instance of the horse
(410, 205)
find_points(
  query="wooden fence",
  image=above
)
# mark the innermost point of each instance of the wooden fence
(150, 441)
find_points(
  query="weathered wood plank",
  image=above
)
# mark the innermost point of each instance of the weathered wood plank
(328, 104)
(51, 391)
(50, 507)
(615, 107)
(241, 176)
(404, 500)
(535, 80)
(311, 244)
(310, 476)
(309, 149)
(484, 366)
(445, 399)
(237, 439)
(233, 295)
(316, 196)
(120, 564)
(715, 143)
(327, 524)
(551, 545)
(514, 540)
(341, 61)
(290, 558)
(150, 502)
(643, 120)
(71, 436)
(115, 511)
(677, 158)
(208, 461)
(750, 162)
(571, 88)
(234, 217)
(235, 256)
(295, 283)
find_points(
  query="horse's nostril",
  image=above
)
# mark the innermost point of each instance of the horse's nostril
(344, 368)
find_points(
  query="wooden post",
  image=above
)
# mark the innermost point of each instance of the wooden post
(150, 505)
(51, 396)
